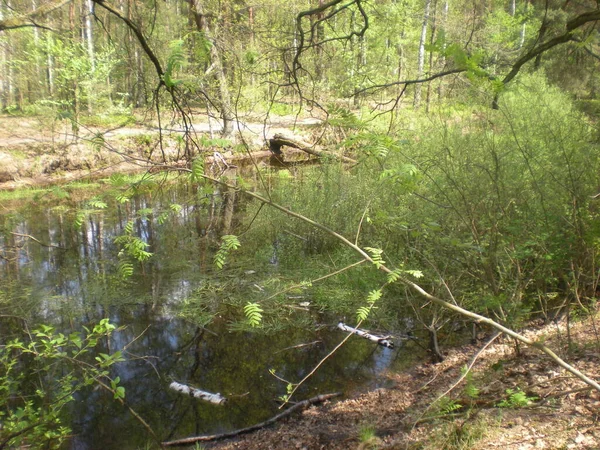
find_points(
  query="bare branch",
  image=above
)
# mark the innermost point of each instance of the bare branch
(408, 82)
(30, 19)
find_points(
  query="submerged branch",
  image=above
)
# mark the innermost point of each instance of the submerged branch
(381, 340)
(217, 398)
(298, 406)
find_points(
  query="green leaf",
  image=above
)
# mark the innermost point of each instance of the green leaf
(228, 243)
(253, 313)
(362, 313)
(197, 170)
(394, 275)
(375, 254)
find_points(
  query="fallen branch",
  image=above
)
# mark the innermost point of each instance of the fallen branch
(381, 340)
(298, 406)
(278, 141)
(217, 398)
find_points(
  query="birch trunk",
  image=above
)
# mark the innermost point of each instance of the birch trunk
(431, 40)
(3, 68)
(89, 40)
(421, 58)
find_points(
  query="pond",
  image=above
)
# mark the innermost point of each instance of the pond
(179, 317)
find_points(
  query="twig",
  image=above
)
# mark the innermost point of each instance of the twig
(298, 346)
(563, 393)
(136, 338)
(361, 222)
(38, 241)
(272, 420)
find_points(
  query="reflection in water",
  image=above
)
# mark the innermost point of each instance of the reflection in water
(75, 283)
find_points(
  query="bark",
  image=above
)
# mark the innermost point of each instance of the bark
(50, 63)
(523, 27)
(431, 40)
(381, 340)
(320, 36)
(217, 398)
(89, 33)
(297, 407)
(88, 10)
(434, 346)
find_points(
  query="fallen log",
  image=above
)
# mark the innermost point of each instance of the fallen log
(381, 340)
(217, 398)
(298, 406)
(278, 141)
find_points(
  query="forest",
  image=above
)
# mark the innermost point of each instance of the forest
(205, 204)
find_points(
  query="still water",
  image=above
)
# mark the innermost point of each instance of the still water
(179, 318)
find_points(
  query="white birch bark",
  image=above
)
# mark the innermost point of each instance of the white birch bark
(381, 340)
(421, 57)
(217, 398)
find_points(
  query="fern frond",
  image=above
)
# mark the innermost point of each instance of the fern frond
(79, 218)
(374, 296)
(97, 204)
(125, 269)
(175, 61)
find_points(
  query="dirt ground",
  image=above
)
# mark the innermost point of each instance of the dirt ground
(558, 410)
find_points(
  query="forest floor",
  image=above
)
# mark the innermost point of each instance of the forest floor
(38, 151)
(506, 401)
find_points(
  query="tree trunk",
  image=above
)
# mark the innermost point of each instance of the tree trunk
(442, 31)
(431, 40)
(421, 58)
(434, 346)
(523, 28)
(88, 10)
(217, 66)
(50, 64)
(3, 68)
(320, 35)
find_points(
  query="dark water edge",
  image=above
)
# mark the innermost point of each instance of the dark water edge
(75, 283)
